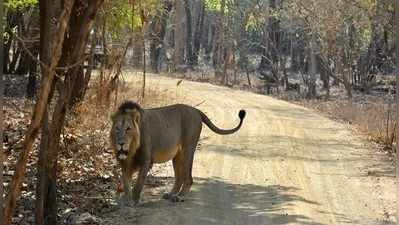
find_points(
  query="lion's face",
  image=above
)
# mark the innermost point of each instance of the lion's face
(125, 133)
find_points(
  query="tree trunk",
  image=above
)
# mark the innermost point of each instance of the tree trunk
(312, 69)
(144, 52)
(158, 31)
(15, 57)
(13, 17)
(41, 184)
(199, 27)
(179, 34)
(219, 50)
(91, 64)
(343, 73)
(34, 49)
(46, 14)
(189, 34)
(324, 76)
(270, 55)
(38, 113)
(397, 86)
(242, 43)
(31, 86)
(6, 54)
(137, 51)
(2, 66)
(83, 77)
(210, 38)
(73, 51)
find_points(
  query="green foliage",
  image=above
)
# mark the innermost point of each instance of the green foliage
(368, 4)
(123, 16)
(213, 5)
(20, 4)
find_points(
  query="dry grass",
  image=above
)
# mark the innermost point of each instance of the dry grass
(86, 178)
(378, 119)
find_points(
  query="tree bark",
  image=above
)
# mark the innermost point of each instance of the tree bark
(189, 34)
(397, 88)
(209, 41)
(242, 43)
(73, 51)
(179, 34)
(41, 173)
(312, 69)
(158, 31)
(219, 50)
(45, 50)
(271, 44)
(198, 32)
(144, 52)
(1, 111)
(34, 49)
(38, 113)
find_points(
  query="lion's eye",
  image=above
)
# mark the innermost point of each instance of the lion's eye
(128, 128)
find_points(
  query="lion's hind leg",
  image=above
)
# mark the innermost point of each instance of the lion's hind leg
(189, 151)
(178, 164)
(187, 172)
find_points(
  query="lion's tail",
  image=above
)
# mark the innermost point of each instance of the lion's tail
(214, 128)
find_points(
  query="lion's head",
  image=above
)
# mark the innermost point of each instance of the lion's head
(125, 132)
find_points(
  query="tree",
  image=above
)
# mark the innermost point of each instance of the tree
(397, 81)
(189, 34)
(179, 34)
(1, 111)
(157, 35)
(38, 113)
(46, 13)
(199, 7)
(219, 48)
(72, 53)
(312, 68)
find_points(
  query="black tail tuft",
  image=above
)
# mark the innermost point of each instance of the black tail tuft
(242, 114)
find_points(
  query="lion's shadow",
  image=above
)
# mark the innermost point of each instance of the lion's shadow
(214, 201)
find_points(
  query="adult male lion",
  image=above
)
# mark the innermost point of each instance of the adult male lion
(141, 137)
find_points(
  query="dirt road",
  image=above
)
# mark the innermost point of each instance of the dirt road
(287, 165)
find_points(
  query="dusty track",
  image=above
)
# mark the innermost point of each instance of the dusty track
(287, 165)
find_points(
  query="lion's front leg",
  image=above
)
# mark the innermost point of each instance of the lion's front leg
(138, 187)
(127, 182)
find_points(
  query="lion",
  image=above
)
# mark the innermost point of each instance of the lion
(141, 137)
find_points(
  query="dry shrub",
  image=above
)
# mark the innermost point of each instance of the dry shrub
(377, 119)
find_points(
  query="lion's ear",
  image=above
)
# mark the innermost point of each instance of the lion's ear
(135, 114)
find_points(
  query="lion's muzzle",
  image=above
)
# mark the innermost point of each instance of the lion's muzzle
(122, 154)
